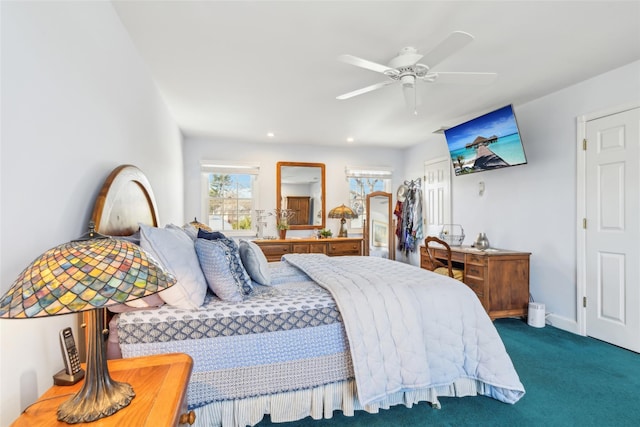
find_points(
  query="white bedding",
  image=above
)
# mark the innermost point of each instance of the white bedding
(409, 328)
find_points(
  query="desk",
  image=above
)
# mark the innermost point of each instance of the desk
(160, 383)
(500, 278)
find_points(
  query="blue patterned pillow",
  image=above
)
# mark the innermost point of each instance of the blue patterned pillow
(216, 263)
(236, 263)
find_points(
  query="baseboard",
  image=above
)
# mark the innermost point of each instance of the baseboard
(564, 323)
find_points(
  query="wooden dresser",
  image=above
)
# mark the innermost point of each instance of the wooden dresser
(337, 246)
(499, 277)
(160, 383)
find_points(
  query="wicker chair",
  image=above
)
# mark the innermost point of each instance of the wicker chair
(437, 266)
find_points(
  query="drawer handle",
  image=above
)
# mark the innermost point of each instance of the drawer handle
(188, 418)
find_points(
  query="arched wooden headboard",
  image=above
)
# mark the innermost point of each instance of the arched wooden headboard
(125, 200)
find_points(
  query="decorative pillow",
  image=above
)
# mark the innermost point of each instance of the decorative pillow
(216, 262)
(255, 262)
(210, 235)
(236, 261)
(174, 250)
(191, 231)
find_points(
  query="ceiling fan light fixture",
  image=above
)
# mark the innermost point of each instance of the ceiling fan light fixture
(408, 80)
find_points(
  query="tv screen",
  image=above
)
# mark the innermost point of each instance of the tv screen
(491, 141)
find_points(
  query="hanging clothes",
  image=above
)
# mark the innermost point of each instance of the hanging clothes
(409, 213)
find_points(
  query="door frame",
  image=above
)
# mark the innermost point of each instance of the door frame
(581, 206)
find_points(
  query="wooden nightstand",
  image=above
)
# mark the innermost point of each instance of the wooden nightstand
(160, 383)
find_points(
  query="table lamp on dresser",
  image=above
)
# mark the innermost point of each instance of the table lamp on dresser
(343, 213)
(88, 274)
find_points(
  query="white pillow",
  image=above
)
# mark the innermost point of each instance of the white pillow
(255, 262)
(216, 259)
(174, 249)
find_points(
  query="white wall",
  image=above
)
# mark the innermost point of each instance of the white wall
(533, 207)
(77, 101)
(267, 155)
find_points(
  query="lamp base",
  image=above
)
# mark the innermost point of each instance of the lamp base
(343, 229)
(99, 396)
(90, 405)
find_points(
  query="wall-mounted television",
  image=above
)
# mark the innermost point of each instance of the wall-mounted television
(491, 141)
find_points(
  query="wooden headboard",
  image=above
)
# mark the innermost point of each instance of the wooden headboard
(125, 200)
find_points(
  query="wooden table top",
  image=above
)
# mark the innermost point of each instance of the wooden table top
(158, 381)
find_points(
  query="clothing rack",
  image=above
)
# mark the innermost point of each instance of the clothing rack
(412, 184)
(409, 213)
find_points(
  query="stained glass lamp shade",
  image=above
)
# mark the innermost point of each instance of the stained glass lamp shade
(343, 212)
(88, 274)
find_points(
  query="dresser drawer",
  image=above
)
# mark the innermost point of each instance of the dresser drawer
(475, 259)
(344, 248)
(472, 270)
(317, 248)
(274, 252)
(301, 248)
(425, 262)
(475, 284)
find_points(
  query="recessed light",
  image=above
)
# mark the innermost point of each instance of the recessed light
(270, 134)
(350, 139)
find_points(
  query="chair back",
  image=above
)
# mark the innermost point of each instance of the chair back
(436, 263)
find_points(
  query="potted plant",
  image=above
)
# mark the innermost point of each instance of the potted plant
(282, 229)
(325, 233)
(282, 221)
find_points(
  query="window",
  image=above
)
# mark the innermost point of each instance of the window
(363, 181)
(228, 195)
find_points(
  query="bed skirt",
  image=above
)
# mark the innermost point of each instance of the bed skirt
(320, 402)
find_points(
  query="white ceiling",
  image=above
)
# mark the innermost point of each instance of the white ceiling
(237, 70)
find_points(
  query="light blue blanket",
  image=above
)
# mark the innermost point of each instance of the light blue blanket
(409, 328)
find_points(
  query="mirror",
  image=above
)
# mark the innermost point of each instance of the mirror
(301, 187)
(379, 230)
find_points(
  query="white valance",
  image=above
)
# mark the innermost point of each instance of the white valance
(369, 172)
(226, 167)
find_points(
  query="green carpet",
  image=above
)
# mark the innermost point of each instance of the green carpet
(569, 381)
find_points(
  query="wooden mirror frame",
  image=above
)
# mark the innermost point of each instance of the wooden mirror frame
(279, 167)
(391, 230)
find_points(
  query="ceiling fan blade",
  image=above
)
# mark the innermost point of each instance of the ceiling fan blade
(363, 63)
(365, 89)
(462, 78)
(453, 43)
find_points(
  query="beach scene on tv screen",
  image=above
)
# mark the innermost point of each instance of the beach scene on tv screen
(488, 142)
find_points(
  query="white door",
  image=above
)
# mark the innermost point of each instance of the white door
(437, 196)
(612, 242)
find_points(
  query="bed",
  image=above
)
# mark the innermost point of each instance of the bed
(320, 335)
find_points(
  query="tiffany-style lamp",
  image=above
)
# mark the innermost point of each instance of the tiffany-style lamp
(343, 212)
(87, 274)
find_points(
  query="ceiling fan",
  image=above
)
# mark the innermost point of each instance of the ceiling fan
(406, 69)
